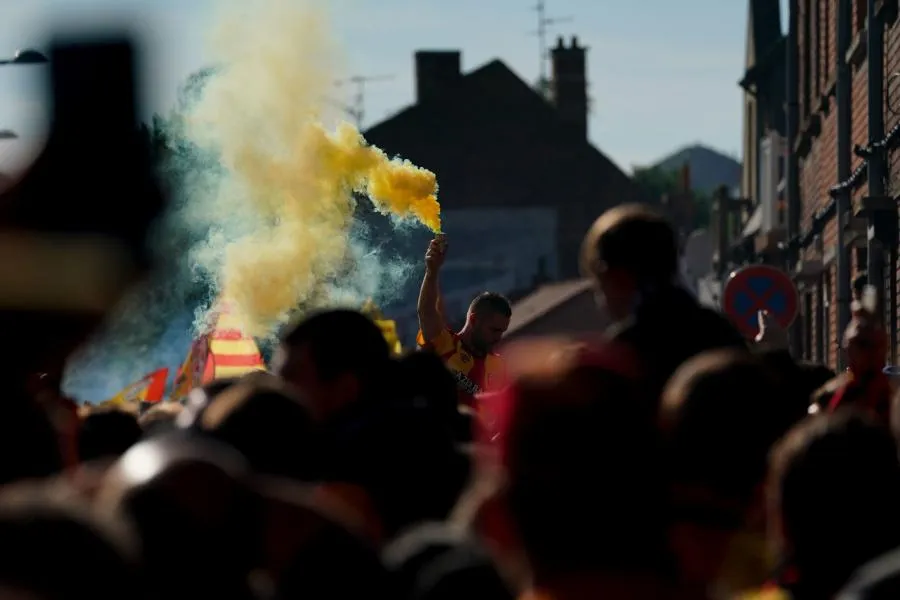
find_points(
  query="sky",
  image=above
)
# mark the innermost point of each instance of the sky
(662, 74)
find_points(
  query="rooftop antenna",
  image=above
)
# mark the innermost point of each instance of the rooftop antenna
(544, 24)
(357, 108)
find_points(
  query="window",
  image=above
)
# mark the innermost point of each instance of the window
(862, 258)
(824, 318)
(825, 39)
(859, 15)
(818, 320)
(808, 325)
(890, 303)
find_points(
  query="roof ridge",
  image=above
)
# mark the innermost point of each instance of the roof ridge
(575, 287)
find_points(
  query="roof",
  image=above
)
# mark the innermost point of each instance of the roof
(766, 15)
(487, 104)
(763, 28)
(766, 43)
(543, 300)
(493, 80)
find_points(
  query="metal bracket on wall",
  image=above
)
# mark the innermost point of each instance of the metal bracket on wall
(892, 100)
(856, 230)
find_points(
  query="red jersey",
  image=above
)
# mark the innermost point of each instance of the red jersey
(474, 375)
(873, 394)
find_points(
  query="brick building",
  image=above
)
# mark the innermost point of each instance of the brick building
(763, 85)
(831, 175)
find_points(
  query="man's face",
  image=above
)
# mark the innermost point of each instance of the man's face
(487, 330)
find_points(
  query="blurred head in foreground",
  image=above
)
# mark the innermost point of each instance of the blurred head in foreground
(575, 489)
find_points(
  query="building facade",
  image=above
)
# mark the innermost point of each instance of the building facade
(840, 218)
(821, 162)
(760, 209)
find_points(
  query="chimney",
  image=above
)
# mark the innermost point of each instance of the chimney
(437, 73)
(569, 85)
(685, 177)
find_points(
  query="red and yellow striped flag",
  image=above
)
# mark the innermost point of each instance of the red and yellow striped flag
(232, 353)
(190, 374)
(149, 389)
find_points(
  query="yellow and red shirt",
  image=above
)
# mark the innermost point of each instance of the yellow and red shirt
(474, 375)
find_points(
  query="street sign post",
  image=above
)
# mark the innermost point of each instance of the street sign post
(755, 288)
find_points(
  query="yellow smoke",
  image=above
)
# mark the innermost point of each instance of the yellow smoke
(289, 177)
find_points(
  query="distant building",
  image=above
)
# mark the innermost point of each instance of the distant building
(749, 221)
(764, 149)
(567, 308)
(497, 143)
(680, 204)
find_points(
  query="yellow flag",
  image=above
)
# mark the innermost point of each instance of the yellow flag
(389, 331)
(388, 326)
(149, 389)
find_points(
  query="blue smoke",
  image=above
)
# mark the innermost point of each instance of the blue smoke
(154, 326)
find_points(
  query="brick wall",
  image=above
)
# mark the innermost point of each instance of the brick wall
(892, 89)
(859, 130)
(891, 119)
(818, 166)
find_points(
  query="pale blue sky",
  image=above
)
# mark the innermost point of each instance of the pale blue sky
(663, 73)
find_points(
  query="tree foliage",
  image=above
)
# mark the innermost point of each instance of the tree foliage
(657, 182)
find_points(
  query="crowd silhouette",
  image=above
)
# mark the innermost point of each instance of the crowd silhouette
(667, 458)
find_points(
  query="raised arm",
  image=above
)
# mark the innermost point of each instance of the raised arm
(431, 321)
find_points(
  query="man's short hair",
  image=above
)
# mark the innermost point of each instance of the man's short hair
(341, 341)
(491, 302)
(268, 424)
(634, 238)
(840, 469)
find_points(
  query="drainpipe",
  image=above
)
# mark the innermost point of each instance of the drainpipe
(844, 91)
(792, 126)
(876, 167)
